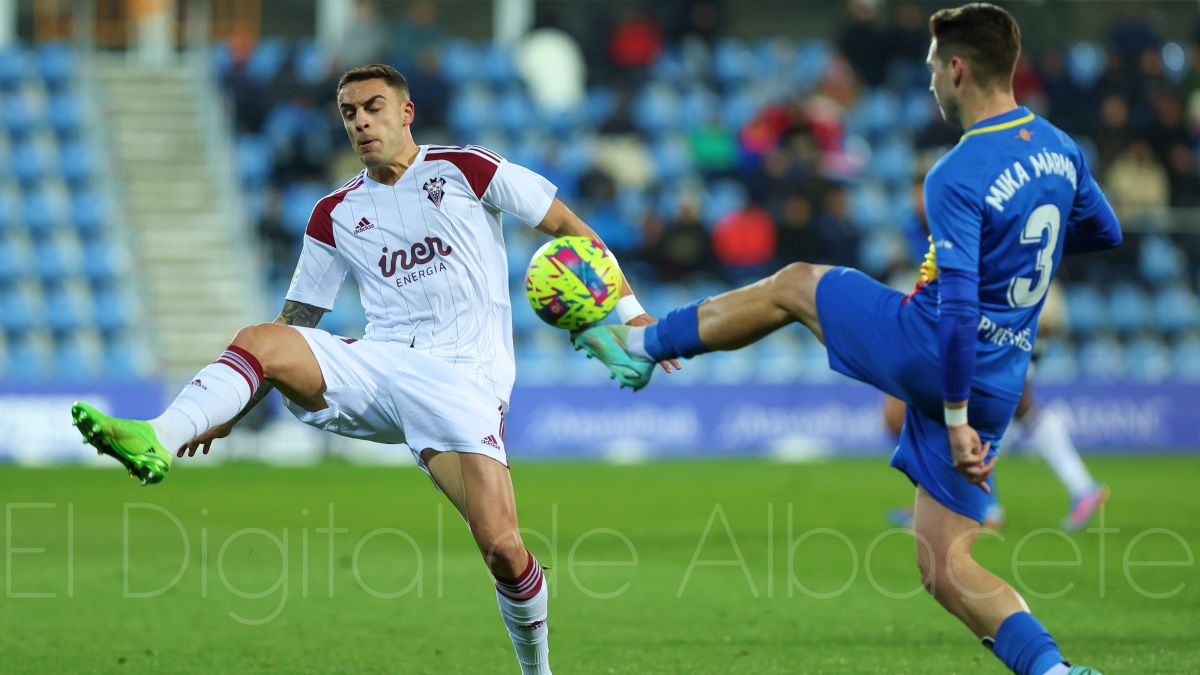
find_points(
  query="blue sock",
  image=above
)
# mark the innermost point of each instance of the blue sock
(1025, 646)
(678, 334)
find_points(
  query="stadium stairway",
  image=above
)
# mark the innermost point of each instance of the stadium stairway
(194, 245)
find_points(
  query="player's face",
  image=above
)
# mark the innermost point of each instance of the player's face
(942, 85)
(376, 117)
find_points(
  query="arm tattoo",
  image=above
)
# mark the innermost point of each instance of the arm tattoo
(293, 314)
(299, 314)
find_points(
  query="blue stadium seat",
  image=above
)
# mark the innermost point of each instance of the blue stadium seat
(656, 109)
(29, 163)
(89, 213)
(1102, 359)
(1085, 63)
(220, 59)
(1128, 308)
(67, 311)
(1185, 359)
(740, 106)
(700, 106)
(724, 197)
(40, 213)
(111, 311)
(76, 361)
(123, 361)
(498, 65)
(515, 110)
(869, 206)
(310, 64)
(733, 61)
(1176, 61)
(812, 60)
(19, 311)
(672, 158)
(1176, 309)
(894, 160)
(1159, 260)
(64, 112)
(1086, 308)
(471, 110)
(1057, 361)
(669, 66)
(17, 116)
(461, 62)
(101, 263)
(254, 159)
(78, 162)
(601, 102)
(1147, 360)
(267, 59)
(50, 264)
(297, 203)
(55, 64)
(12, 67)
(27, 362)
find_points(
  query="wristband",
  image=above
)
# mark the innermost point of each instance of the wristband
(629, 307)
(955, 417)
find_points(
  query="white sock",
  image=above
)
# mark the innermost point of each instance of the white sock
(636, 342)
(523, 608)
(217, 393)
(1060, 669)
(1048, 436)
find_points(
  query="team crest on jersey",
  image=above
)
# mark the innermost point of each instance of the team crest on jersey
(433, 190)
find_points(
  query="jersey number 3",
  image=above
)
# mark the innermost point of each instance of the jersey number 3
(1022, 291)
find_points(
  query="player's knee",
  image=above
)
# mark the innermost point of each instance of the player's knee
(258, 340)
(506, 557)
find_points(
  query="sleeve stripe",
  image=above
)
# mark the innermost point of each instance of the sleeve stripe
(320, 223)
(485, 152)
(475, 167)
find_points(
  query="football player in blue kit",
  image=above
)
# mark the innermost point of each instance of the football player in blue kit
(1004, 205)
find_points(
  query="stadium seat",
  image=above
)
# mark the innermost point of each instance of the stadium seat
(1176, 309)
(1159, 260)
(515, 110)
(123, 361)
(671, 156)
(17, 116)
(297, 203)
(55, 64)
(64, 112)
(254, 159)
(700, 106)
(1057, 361)
(112, 312)
(267, 59)
(310, 63)
(869, 206)
(740, 106)
(28, 361)
(1128, 308)
(29, 163)
(733, 61)
(78, 162)
(498, 65)
(461, 62)
(89, 213)
(1102, 359)
(1147, 360)
(67, 311)
(1085, 64)
(102, 263)
(12, 67)
(76, 361)
(724, 197)
(1086, 308)
(471, 110)
(1185, 360)
(894, 161)
(20, 311)
(811, 63)
(656, 109)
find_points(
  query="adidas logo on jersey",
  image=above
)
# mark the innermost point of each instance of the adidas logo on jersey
(363, 226)
(491, 440)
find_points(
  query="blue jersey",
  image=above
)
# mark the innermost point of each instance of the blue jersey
(999, 205)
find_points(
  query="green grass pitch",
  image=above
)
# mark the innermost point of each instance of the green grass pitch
(679, 567)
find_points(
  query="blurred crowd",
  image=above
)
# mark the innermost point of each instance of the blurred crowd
(687, 150)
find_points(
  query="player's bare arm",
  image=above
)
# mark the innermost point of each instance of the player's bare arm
(561, 221)
(293, 314)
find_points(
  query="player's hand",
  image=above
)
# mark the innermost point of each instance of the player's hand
(646, 320)
(205, 439)
(970, 457)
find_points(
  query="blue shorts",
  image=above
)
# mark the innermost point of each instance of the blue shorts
(870, 338)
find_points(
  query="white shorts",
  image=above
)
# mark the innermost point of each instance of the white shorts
(388, 392)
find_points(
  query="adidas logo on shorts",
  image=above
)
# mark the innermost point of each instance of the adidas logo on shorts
(491, 440)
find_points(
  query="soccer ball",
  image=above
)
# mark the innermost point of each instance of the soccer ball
(573, 282)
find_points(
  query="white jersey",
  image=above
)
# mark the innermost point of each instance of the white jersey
(428, 255)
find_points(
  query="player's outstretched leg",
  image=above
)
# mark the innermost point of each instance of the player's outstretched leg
(132, 443)
(481, 489)
(980, 599)
(724, 322)
(212, 398)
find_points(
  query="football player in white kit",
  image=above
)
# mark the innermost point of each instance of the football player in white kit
(420, 230)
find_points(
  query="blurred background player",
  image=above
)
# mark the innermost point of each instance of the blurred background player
(1036, 427)
(1002, 211)
(420, 230)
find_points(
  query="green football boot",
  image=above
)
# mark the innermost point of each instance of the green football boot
(132, 443)
(607, 343)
